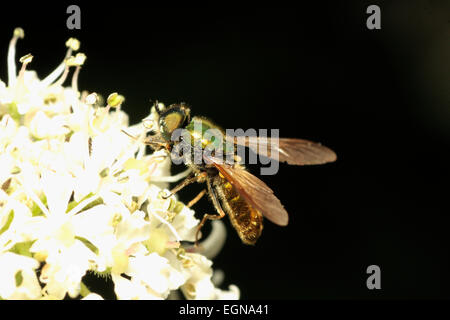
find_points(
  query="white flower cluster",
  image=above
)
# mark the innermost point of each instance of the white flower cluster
(77, 195)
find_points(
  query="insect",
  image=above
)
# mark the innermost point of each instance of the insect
(232, 189)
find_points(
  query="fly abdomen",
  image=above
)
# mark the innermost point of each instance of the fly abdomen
(247, 221)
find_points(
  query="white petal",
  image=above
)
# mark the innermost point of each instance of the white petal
(29, 288)
(232, 293)
(93, 296)
(11, 264)
(58, 188)
(133, 229)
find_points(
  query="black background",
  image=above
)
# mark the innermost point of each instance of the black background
(379, 98)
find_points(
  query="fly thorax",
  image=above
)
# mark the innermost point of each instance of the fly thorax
(207, 136)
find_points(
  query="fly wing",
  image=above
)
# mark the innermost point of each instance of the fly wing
(293, 151)
(254, 191)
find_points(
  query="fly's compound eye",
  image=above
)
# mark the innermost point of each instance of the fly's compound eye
(174, 118)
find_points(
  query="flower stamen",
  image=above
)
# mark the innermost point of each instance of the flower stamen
(12, 72)
(63, 77)
(73, 45)
(79, 60)
(171, 228)
(91, 98)
(114, 100)
(24, 60)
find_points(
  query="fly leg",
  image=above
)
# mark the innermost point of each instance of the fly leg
(155, 142)
(190, 179)
(196, 199)
(217, 206)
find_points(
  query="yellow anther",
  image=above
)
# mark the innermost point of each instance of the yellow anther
(15, 170)
(80, 58)
(73, 44)
(19, 33)
(117, 217)
(114, 99)
(76, 61)
(104, 173)
(26, 58)
(70, 61)
(50, 98)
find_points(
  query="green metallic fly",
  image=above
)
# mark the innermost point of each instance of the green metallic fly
(231, 188)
